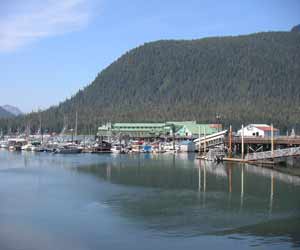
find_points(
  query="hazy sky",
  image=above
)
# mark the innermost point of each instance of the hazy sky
(49, 49)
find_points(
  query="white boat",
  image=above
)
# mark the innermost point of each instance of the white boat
(31, 146)
(16, 144)
(169, 148)
(67, 149)
(36, 146)
(116, 149)
(4, 144)
(26, 147)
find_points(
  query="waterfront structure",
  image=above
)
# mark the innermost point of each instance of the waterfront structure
(258, 130)
(192, 129)
(183, 129)
(135, 129)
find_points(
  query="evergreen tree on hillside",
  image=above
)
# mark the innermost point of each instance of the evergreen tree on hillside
(246, 79)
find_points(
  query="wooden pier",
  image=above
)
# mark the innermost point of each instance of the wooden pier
(262, 150)
(280, 140)
(279, 153)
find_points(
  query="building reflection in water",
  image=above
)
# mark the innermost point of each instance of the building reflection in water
(204, 177)
(224, 179)
(289, 179)
(199, 195)
(108, 172)
(271, 193)
(218, 170)
(199, 176)
(230, 178)
(242, 187)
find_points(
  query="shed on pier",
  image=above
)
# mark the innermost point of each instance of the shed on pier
(258, 130)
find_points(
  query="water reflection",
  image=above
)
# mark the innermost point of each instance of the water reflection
(289, 179)
(192, 198)
(270, 232)
(242, 187)
(149, 196)
(271, 192)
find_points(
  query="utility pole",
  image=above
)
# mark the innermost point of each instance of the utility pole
(41, 129)
(204, 140)
(242, 141)
(218, 118)
(272, 140)
(28, 130)
(76, 124)
(72, 131)
(199, 146)
(173, 133)
(230, 141)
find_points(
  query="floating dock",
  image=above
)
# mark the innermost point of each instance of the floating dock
(240, 160)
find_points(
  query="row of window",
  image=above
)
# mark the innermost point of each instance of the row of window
(152, 128)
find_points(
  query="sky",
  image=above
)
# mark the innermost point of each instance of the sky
(50, 49)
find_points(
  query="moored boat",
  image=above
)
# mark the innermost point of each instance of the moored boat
(67, 149)
(4, 144)
(102, 147)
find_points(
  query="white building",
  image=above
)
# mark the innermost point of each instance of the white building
(260, 130)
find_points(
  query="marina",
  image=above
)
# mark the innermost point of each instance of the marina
(256, 143)
(149, 125)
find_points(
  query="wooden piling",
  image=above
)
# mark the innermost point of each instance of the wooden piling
(230, 142)
(272, 139)
(204, 140)
(242, 141)
(199, 146)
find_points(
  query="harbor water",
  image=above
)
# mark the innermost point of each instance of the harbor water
(143, 201)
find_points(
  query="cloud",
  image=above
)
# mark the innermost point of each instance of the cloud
(27, 21)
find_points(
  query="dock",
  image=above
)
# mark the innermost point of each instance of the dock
(280, 140)
(240, 160)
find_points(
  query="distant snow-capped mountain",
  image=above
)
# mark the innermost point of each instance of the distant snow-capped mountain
(9, 110)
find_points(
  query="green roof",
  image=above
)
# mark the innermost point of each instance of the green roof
(181, 127)
(194, 128)
(181, 123)
(137, 129)
(208, 128)
(138, 125)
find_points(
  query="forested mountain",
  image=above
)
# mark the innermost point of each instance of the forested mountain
(4, 113)
(245, 79)
(296, 28)
(12, 109)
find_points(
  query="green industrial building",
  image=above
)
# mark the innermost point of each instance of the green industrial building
(184, 129)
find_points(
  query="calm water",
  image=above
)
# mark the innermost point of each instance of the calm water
(143, 202)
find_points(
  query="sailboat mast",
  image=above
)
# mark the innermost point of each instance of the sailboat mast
(76, 123)
(41, 130)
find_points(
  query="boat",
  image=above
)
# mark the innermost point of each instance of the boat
(137, 146)
(39, 149)
(147, 149)
(31, 146)
(26, 147)
(67, 149)
(101, 147)
(119, 149)
(170, 148)
(4, 144)
(16, 144)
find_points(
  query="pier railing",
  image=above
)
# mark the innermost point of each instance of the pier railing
(278, 140)
(273, 154)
